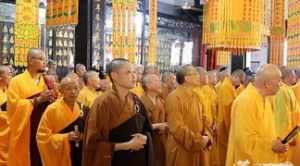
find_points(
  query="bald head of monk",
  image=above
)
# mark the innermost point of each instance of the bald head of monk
(36, 60)
(188, 75)
(288, 76)
(80, 69)
(151, 69)
(151, 83)
(238, 77)
(169, 80)
(267, 80)
(212, 77)
(69, 89)
(92, 80)
(202, 75)
(122, 73)
(5, 76)
(139, 69)
(222, 74)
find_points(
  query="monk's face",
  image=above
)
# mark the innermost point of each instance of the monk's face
(94, 81)
(154, 84)
(5, 77)
(192, 77)
(139, 73)
(70, 91)
(81, 71)
(272, 86)
(212, 78)
(125, 76)
(38, 62)
(171, 81)
(292, 78)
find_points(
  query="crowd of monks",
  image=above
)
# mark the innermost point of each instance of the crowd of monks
(137, 116)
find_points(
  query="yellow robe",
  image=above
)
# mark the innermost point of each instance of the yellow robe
(296, 120)
(4, 131)
(19, 111)
(54, 147)
(226, 95)
(138, 90)
(87, 96)
(185, 120)
(240, 89)
(252, 129)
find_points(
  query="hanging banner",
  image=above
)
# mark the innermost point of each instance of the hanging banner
(26, 29)
(62, 12)
(152, 32)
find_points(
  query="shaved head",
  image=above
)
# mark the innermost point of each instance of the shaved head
(203, 75)
(212, 77)
(5, 75)
(288, 76)
(183, 72)
(151, 69)
(34, 53)
(67, 81)
(88, 75)
(151, 82)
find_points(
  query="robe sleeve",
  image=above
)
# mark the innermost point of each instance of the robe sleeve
(54, 147)
(182, 134)
(249, 143)
(226, 100)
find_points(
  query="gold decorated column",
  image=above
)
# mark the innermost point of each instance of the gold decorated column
(152, 32)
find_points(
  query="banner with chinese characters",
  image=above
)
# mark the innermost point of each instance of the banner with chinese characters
(152, 56)
(234, 25)
(277, 32)
(98, 16)
(62, 12)
(124, 32)
(26, 29)
(293, 34)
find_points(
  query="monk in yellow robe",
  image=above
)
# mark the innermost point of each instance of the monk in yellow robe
(59, 135)
(80, 70)
(138, 89)
(90, 91)
(154, 106)
(221, 75)
(296, 150)
(27, 97)
(118, 131)
(286, 109)
(252, 134)
(4, 129)
(188, 137)
(168, 84)
(226, 95)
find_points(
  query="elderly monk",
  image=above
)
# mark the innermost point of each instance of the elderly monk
(252, 134)
(28, 97)
(226, 95)
(151, 69)
(5, 75)
(90, 91)
(168, 84)
(138, 89)
(154, 106)
(118, 130)
(80, 70)
(188, 137)
(59, 135)
(286, 109)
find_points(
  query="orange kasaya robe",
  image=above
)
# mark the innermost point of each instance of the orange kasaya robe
(156, 114)
(186, 124)
(19, 110)
(138, 90)
(226, 94)
(54, 145)
(4, 131)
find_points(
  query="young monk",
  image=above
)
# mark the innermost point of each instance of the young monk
(188, 137)
(59, 135)
(118, 131)
(154, 106)
(28, 96)
(90, 91)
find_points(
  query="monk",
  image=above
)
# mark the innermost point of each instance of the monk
(252, 134)
(5, 75)
(154, 106)
(221, 75)
(151, 69)
(188, 137)
(118, 130)
(226, 95)
(285, 109)
(80, 70)
(28, 97)
(59, 135)
(168, 84)
(91, 89)
(296, 150)
(138, 89)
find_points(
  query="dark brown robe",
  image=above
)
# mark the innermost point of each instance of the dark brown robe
(113, 121)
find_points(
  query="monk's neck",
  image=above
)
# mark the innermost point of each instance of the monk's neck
(122, 92)
(70, 104)
(34, 74)
(152, 96)
(189, 86)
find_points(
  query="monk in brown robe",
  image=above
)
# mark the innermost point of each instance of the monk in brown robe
(168, 84)
(118, 131)
(28, 95)
(188, 137)
(154, 106)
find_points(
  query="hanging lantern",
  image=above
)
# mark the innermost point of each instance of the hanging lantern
(234, 25)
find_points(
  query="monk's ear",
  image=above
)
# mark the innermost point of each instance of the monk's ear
(113, 75)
